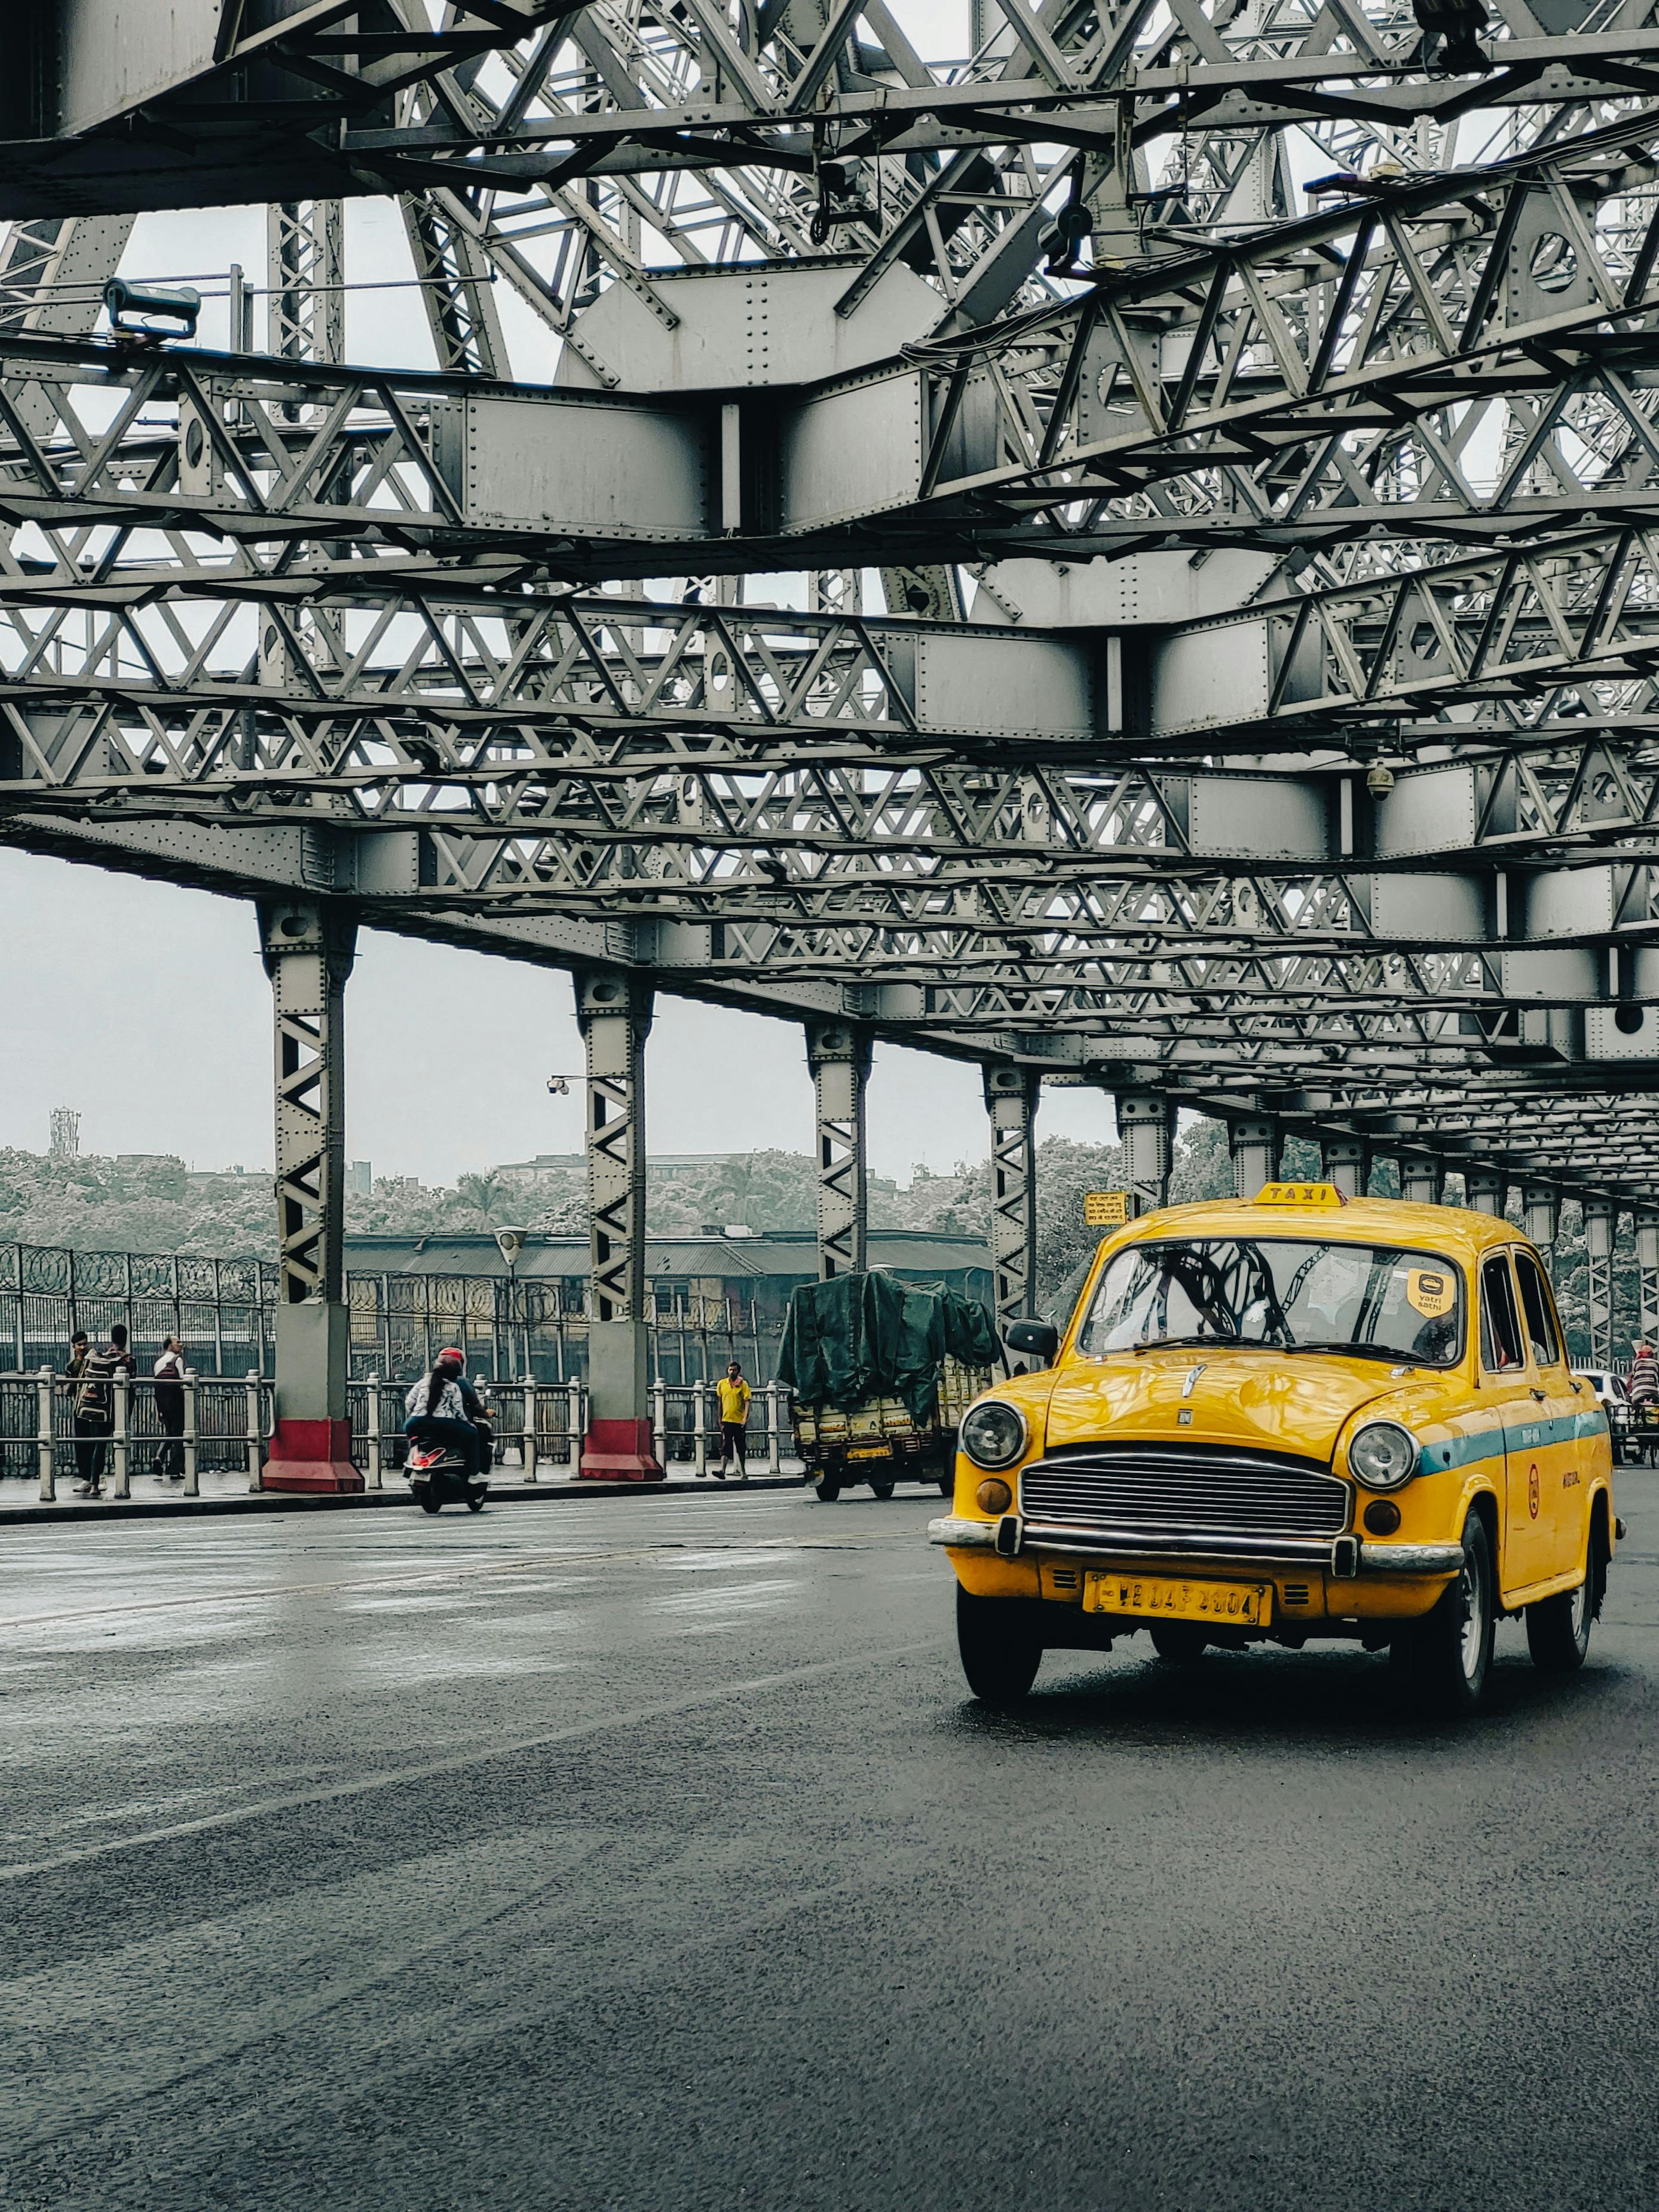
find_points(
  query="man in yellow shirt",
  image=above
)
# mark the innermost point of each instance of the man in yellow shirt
(735, 1394)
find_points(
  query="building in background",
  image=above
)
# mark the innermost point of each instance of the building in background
(749, 1272)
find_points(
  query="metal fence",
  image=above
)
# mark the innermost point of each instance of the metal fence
(223, 1312)
(227, 1427)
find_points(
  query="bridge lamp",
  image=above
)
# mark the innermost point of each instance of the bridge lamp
(510, 1244)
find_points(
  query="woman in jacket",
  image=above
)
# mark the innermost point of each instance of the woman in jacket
(436, 1412)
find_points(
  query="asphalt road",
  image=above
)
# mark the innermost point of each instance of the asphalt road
(651, 1856)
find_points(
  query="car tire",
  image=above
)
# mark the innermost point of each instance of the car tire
(882, 1489)
(828, 1492)
(1448, 1654)
(1179, 1643)
(1558, 1628)
(999, 1655)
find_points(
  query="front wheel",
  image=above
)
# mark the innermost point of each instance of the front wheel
(828, 1489)
(1448, 1654)
(999, 1655)
(882, 1489)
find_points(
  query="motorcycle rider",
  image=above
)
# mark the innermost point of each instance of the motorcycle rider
(443, 1409)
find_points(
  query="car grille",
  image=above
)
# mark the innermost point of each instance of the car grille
(1154, 1489)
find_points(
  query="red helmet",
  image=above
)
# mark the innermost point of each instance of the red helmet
(450, 1353)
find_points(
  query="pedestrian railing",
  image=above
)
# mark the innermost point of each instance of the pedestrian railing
(226, 1425)
(540, 1425)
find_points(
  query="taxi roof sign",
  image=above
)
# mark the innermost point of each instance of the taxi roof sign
(1299, 1194)
(1105, 1209)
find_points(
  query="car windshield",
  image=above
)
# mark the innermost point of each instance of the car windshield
(1299, 1294)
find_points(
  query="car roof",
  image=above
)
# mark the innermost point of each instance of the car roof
(1456, 1231)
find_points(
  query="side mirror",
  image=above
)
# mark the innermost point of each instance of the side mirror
(1040, 1338)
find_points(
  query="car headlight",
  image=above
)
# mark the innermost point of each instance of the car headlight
(993, 1435)
(1383, 1456)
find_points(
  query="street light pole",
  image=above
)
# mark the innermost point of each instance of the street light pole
(510, 1243)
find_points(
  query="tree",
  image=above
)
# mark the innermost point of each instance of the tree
(481, 1193)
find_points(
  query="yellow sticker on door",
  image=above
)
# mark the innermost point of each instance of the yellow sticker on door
(1430, 1291)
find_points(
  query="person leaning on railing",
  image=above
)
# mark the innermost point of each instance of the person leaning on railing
(169, 1372)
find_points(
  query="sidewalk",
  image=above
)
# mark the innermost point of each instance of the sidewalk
(152, 1500)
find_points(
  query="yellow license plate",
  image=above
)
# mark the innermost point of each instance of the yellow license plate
(870, 1451)
(1169, 1597)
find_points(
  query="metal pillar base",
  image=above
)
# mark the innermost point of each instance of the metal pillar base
(618, 1445)
(311, 1447)
(615, 1014)
(308, 950)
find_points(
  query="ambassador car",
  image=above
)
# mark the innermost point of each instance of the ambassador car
(1293, 1417)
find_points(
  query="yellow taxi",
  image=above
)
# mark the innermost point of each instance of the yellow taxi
(1293, 1416)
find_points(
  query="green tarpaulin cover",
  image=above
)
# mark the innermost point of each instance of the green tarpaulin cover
(858, 1337)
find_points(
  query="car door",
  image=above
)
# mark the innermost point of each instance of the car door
(1558, 1532)
(1517, 1395)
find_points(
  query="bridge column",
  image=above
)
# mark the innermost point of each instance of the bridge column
(1601, 1220)
(308, 950)
(614, 1012)
(1346, 1161)
(839, 1056)
(1541, 1208)
(1144, 1128)
(1483, 1190)
(1647, 1276)
(1423, 1179)
(1011, 1099)
(1255, 1148)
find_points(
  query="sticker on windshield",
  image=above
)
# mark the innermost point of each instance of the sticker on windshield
(1429, 1290)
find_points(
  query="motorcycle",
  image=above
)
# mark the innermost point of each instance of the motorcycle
(438, 1476)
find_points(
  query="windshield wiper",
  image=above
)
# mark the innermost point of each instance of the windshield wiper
(1203, 1344)
(1382, 1351)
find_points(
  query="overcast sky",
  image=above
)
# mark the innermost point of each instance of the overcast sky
(145, 1007)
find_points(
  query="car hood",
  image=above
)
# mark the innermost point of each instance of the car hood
(1296, 1401)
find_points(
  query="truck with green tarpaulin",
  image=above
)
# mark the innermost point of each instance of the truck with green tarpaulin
(880, 1373)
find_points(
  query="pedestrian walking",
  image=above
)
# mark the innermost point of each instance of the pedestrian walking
(1641, 1383)
(94, 1403)
(169, 1463)
(734, 1396)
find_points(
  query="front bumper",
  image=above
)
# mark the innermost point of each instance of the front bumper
(1341, 1557)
